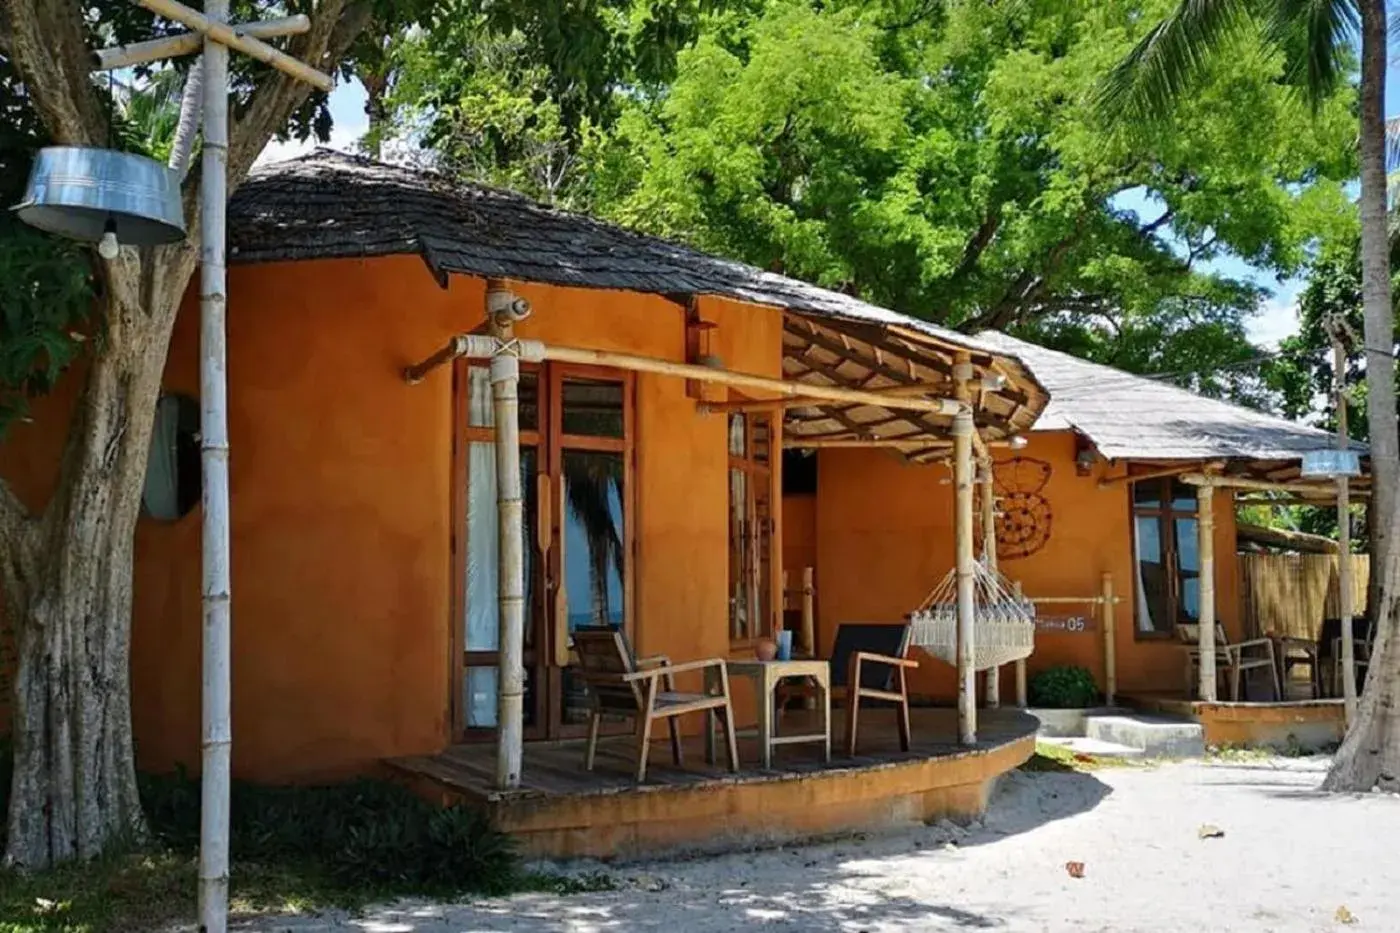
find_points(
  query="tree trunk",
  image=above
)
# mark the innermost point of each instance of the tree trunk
(1372, 747)
(68, 591)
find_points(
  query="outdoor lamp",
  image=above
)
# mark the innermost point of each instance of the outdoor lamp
(103, 196)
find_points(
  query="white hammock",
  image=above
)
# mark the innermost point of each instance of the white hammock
(1003, 623)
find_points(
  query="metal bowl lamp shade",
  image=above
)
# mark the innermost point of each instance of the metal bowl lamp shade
(85, 193)
(1330, 464)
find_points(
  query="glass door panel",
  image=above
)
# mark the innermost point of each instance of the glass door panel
(593, 549)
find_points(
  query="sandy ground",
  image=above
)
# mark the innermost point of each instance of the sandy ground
(1288, 860)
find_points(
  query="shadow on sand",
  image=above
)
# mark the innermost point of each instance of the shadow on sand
(843, 884)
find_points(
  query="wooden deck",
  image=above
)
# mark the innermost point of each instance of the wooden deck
(563, 811)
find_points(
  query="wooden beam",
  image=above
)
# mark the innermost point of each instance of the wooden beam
(226, 35)
(797, 442)
(187, 43)
(1194, 467)
(1241, 482)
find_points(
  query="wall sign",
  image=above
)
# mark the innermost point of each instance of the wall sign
(1071, 624)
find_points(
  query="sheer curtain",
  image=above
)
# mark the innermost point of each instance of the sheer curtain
(481, 624)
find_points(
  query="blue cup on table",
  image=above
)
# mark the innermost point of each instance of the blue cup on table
(785, 645)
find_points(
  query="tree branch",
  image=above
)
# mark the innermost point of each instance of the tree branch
(46, 41)
(334, 27)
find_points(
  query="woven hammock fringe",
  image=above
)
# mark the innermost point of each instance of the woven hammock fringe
(1003, 623)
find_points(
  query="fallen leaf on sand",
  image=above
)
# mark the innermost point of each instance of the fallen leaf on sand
(1075, 869)
(1345, 916)
(1207, 831)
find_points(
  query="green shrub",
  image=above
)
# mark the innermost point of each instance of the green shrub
(363, 834)
(1063, 687)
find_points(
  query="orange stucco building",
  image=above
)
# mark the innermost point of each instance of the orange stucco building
(363, 601)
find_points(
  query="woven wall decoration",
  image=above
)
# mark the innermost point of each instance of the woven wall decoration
(1024, 515)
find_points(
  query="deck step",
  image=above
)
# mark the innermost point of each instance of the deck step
(1081, 745)
(1155, 736)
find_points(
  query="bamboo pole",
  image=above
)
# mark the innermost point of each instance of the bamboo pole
(1205, 530)
(809, 614)
(963, 535)
(510, 698)
(1344, 594)
(480, 346)
(1110, 643)
(186, 43)
(225, 36)
(216, 702)
(989, 559)
(1022, 693)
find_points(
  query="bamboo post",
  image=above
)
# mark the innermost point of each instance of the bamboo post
(1022, 691)
(184, 43)
(1110, 645)
(1344, 594)
(963, 536)
(510, 698)
(217, 30)
(1205, 529)
(216, 701)
(989, 558)
(809, 614)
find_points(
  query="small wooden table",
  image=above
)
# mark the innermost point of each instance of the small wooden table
(765, 676)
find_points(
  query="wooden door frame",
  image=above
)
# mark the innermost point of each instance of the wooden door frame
(550, 442)
(558, 443)
(1166, 515)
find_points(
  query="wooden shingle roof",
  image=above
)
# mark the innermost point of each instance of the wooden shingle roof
(331, 205)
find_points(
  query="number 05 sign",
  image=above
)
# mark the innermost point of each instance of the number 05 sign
(1072, 624)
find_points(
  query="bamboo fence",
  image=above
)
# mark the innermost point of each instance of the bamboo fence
(1290, 594)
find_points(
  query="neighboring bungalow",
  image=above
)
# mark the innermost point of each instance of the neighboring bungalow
(1108, 489)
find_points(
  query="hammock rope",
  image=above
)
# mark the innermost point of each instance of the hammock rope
(1003, 623)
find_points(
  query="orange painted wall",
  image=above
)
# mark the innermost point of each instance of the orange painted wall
(799, 535)
(884, 539)
(341, 503)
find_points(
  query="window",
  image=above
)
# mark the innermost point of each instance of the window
(750, 526)
(174, 477)
(1165, 546)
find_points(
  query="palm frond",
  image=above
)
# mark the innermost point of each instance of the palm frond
(1170, 59)
(1316, 37)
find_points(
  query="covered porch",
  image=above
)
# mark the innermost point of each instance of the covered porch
(562, 811)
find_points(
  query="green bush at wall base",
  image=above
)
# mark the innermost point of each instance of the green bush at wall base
(1063, 687)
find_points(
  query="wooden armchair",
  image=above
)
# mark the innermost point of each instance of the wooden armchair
(1232, 659)
(868, 663)
(645, 690)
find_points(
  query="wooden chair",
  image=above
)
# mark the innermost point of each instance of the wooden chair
(1231, 659)
(868, 663)
(1361, 656)
(645, 690)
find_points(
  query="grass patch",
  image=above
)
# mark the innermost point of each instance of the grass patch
(1051, 758)
(297, 849)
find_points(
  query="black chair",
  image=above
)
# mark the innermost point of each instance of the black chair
(867, 668)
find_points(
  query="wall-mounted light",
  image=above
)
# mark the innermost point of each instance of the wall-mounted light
(1084, 458)
(993, 382)
(1018, 442)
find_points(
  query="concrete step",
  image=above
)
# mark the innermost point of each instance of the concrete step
(1069, 723)
(1155, 736)
(1081, 745)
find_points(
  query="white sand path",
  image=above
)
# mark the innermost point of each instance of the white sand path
(1290, 857)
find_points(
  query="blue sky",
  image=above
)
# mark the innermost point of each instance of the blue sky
(1277, 317)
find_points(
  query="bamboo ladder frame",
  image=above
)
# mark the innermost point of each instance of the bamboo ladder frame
(1106, 602)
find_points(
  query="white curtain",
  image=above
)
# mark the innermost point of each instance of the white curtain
(481, 630)
(162, 493)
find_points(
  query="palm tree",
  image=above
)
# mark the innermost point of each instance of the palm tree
(1315, 38)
